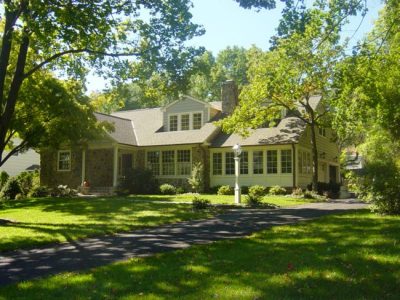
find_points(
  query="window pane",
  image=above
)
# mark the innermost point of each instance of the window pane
(185, 122)
(217, 163)
(173, 123)
(244, 163)
(183, 164)
(64, 160)
(153, 162)
(168, 162)
(229, 163)
(286, 161)
(197, 122)
(258, 164)
(272, 161)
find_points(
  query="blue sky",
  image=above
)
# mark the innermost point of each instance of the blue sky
(227, 24)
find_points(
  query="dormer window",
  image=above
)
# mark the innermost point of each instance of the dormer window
(173, 123)
(185, 121)
(197, 121)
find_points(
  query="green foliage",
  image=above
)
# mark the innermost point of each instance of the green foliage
(257, 190)
(277, 190)
(310, 195)
(63, 191)
(297, 192)
(253, 200)
(225, 190)
(140, 181)
(167, 189)
(200, 203)
(180, 190)
(10, 189)
(244, 189)
(196, 179)
(39, 191)
(28, 180)
(3, 178)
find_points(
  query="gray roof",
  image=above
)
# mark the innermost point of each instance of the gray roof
(288, 131)
(148, 128)
(123, 132)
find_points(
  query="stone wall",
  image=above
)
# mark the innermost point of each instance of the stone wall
(99, 167)
(140, 159)
(51, 177)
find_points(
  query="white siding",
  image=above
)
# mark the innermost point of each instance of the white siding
(19, 163)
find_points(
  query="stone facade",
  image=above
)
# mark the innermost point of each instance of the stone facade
(99, 167)
(50, 176)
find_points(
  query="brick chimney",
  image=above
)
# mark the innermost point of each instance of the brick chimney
(229, 96)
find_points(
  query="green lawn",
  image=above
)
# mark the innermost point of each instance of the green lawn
(348, 256)
(46, 220)
(224, 199)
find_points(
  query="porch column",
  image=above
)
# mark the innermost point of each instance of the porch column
(83, 166)
(115, 167)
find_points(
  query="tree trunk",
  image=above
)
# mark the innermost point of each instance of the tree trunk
(314, 151)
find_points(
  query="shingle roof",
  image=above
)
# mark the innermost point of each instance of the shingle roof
(148, 125)
(123, 129)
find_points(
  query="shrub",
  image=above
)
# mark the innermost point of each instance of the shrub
(244, 189)
(139, 181)
(297, 192)
(39, 191)
(180, 190)
(200, 203)
(3, 178)
(277, 190)
(19, 197)
(225, 190)
(196, 178)
(253, 200)
(257, 191)
(27, 180)
(10, 189)
(167, 189)
(63, 191)
(309, 195)
(214, 189)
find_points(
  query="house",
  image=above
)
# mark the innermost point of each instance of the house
(169, 140)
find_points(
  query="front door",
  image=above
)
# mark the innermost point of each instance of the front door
(333, 174)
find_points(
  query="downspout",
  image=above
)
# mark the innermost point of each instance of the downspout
(294, 164)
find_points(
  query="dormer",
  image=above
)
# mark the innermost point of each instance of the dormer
(186, 114)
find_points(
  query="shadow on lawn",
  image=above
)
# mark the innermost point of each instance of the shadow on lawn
(339, 257)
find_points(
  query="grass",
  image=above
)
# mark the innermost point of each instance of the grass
(45, 220)
(224, 199)
(348, 256)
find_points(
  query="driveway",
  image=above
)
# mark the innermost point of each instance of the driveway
(22, 265)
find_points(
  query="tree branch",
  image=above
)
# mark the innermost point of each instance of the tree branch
(75, 51)
(13, 151)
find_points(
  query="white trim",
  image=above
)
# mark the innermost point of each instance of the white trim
(58, 161)
(185, 97)
(160, 163)
(179, 115)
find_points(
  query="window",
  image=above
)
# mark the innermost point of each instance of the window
(272, 161)
(229, 163)
(185, 122)
(258, 164)
(217, 163)
(168, 162)
(244, 163)
(173, 123)
(183, 165)
(64, 160)
(322, 131)
(153, 162)
(197, 121)
(286, 161)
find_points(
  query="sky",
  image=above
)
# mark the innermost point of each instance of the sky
(227, 24)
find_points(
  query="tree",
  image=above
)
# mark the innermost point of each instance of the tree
(74, 37)
(300, 66)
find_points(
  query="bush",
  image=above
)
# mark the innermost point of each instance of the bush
(10, 189)
(277, 190)
(225, 190)
(63, 191)
(196, 178)
(214, 189)
(253, 200)
(310, 195)
(297, 192)
(19, 197)
(257, 191)
(324, 188)
(3, 178)
(27, 180)
(200, 203)
(139, 181)
(167, 189)
(180, 190)
(39, 191)
(244, 189)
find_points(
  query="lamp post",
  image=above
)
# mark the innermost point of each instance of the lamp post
(237, 150)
